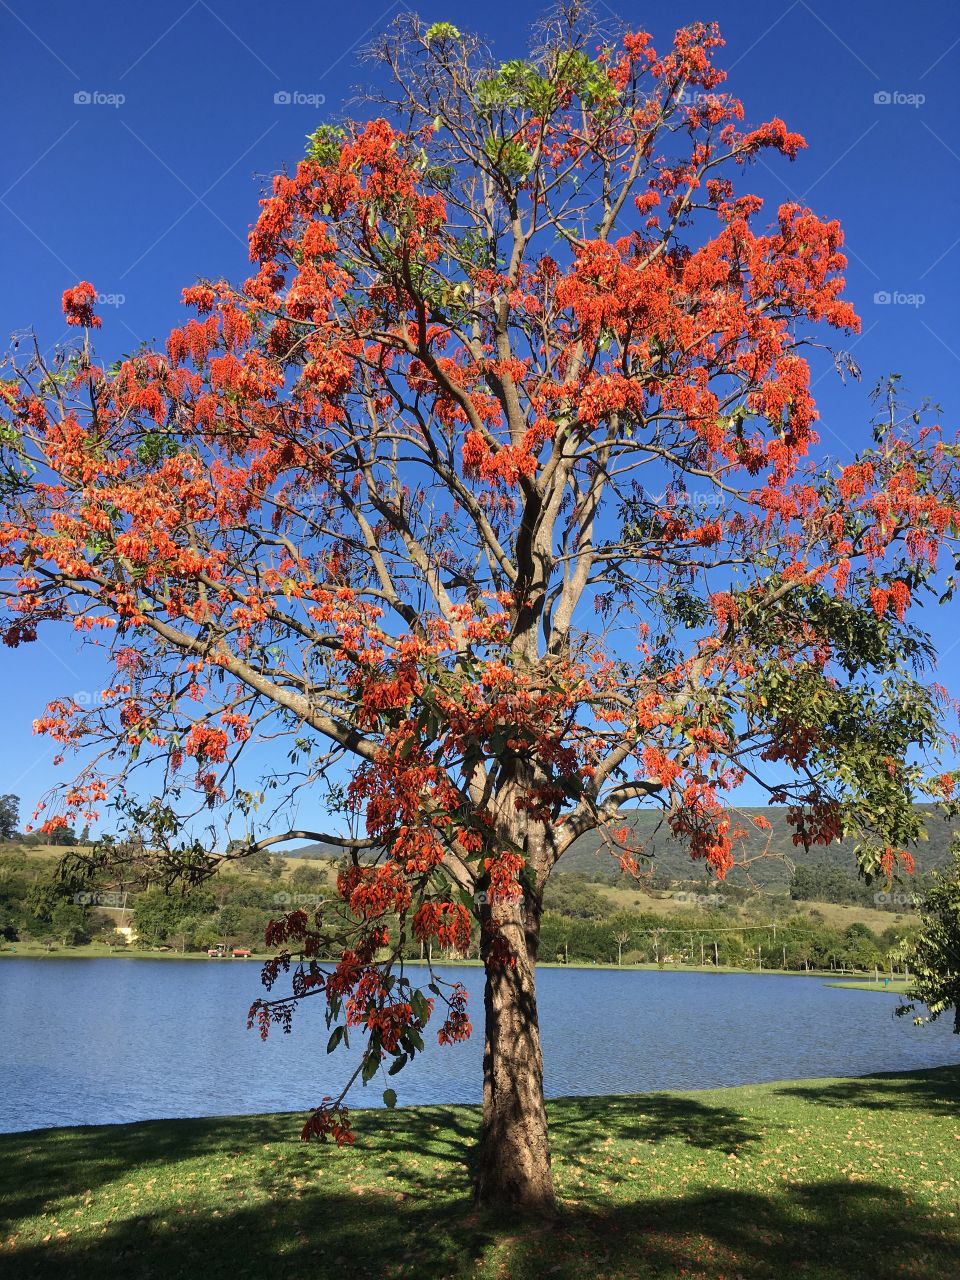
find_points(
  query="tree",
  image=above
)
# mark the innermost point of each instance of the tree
(622, 927)
(932, 954)
(62, 835)
(9, 816)
(571, 895)
(266, 864)
(159, 916)
(69, 923)
(495, 489)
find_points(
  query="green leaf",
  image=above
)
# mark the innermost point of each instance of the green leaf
(467, 900)
(335, 1039)
(441, 31)
(390, 1098)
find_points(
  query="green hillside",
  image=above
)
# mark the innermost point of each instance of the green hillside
(771, 854)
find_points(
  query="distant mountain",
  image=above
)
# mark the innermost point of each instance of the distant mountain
(331, 851)
(772, 853)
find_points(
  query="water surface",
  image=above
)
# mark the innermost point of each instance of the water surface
(96, 1041)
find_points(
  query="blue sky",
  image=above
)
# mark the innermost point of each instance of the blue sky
(139, 137)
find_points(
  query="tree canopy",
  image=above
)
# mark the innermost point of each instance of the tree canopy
(9, 816)
(933, 953)
(495, 490)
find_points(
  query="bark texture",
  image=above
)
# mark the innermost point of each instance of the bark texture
(514, 1171)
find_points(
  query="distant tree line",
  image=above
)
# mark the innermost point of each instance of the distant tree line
(580, 923)
(821, 882)
(36, 905)
(798, 942)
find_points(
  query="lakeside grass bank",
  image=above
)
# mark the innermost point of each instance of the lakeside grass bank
(91, 951)
(897, 986)
(841, 1179)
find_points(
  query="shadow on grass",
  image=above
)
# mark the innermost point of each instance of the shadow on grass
(935, 1092)
(829, 1231)
(44, 1166)
(582, 1124)
(399, 1205)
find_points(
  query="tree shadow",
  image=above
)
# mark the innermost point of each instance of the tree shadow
(935, 1091)
(58, 1164)
(49, 1165)
(823, 1231)
(582, 1124)
(399, 1204)
(831, 1230)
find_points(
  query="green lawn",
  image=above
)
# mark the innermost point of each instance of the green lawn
(899, 986)
(847, 1179)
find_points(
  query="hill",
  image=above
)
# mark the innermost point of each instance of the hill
(771, 853)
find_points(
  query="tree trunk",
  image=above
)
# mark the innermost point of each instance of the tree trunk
(513, 1173)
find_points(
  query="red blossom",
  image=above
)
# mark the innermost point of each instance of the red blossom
(78, 305)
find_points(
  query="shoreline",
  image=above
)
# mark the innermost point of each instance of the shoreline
(849, 979)
(375, 1115)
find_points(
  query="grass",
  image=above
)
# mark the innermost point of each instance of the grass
(856, 1179)
(100, 950)
(899, 986)
(841, 915)
(837, 915)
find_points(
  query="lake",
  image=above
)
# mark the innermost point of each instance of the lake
(96, 1041)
